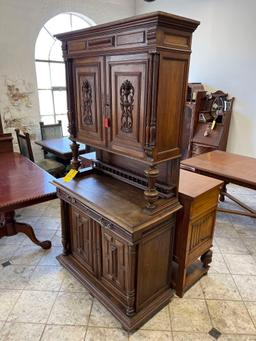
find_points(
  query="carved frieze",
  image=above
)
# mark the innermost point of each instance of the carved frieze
(126, 103)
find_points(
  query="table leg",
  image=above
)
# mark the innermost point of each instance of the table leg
(223, 192)
(9, 227)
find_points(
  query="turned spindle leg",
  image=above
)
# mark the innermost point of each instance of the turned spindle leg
(75, 162)
(151, 194)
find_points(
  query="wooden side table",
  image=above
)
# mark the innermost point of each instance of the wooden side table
(195, 227)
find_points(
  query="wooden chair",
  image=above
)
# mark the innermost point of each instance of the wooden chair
(53, 167)
(51, 131)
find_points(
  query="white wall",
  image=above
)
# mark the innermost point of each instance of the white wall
(224, 57)
(224, 50)
(20, 23)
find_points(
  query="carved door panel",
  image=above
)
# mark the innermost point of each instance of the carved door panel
(83, 239)
(114, 260)
(126, 92)
(89, 94)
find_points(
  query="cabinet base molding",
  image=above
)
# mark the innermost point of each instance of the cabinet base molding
(98, 290)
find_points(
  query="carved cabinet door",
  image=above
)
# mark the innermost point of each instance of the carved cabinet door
(114, 261)
(127, 78)
(84, 232)
(89, 92)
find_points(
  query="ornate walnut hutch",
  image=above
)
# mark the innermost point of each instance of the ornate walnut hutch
(126, 83)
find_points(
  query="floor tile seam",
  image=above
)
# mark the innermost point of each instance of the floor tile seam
(238, 287)
(225, 262)
(89, 316)
(223, 253)
(220, 299)
(42, 334)
(130, 335)
(11, 260)
(61, 282)
(48, 265)
(21, 291)
(254, 323)
(169, 315)
(209, 315)
(20, 322)
(156, 329)
(57, 294)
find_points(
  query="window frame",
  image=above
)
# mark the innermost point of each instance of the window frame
(49, 61)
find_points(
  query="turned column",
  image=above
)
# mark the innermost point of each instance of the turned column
(151, 194)
(75, 162)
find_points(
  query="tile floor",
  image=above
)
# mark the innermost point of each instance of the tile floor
(39, 300)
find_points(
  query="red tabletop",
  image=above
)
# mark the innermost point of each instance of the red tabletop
(22, 183)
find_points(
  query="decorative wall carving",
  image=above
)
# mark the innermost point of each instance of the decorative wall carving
(126, 103)
(87, 102)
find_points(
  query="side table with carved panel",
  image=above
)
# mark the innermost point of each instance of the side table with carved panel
(195, 227)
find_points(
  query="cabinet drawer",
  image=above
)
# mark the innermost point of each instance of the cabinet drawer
(203, 203)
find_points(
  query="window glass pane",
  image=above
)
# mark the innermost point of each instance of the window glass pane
(45, 102)
(78, 23)
(43, 75)
(58, 74)
(60, 23)
(56, 51)
(60, 102)
(47, 119)
(64, 123)
(43, 44)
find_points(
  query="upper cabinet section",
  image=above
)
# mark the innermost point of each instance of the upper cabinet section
(149, 30)
(126, 84)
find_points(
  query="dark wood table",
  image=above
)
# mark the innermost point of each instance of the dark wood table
(60, 147)
(22, 183)
(230, 168)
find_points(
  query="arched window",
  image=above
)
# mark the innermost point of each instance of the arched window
(50, 68)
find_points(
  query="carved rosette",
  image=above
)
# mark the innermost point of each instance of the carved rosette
(126, 103)
(87, 103)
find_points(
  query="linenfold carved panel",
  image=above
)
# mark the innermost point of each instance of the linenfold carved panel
(126, 103)
(82, 238)
(201, 230)
(114, 260)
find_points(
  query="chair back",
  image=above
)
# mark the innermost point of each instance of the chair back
(6, 145)
(25, 145)
(51, 131)
(1, 125)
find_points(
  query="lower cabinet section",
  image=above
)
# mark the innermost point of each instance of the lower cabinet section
(129, 273)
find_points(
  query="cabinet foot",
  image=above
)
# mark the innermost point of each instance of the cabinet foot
(206, 259)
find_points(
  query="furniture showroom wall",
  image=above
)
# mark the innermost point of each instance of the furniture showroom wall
(20, 23)
(224, 54)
